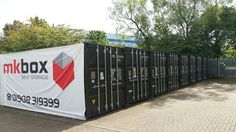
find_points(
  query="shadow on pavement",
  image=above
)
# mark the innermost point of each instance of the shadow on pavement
(14, 120)
(213, 89)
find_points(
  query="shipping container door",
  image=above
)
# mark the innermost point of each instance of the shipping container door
(170, 72)
(137, 73)
(143, 74)
(155, 74)
(173, 72)
(132, 86)
(152, 74)
(147, 87)
(158, 72)
(184, 70)
(121, 76)
(199, 68)
(102, 79)
(116, 78)
(192, 69)
(129, 91)
(176, 71)
(163, 74)
(140, 74)
(95, 80)
(204, 68)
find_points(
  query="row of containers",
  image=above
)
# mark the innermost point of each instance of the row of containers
(222, 68)
(84, 80)
(119, 77)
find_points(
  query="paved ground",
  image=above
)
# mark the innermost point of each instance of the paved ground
(206, 106)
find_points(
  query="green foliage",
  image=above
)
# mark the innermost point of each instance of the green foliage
(228, 24)
(215, 32)
(1, 44)
(97, 37)
(181, 26)
(35, 34)
(231, 53)
(132, 16)
(120, 45)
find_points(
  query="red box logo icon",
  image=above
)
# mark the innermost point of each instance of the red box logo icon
(63, 70)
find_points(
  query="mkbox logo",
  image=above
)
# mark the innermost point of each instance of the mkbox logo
(63, 70)
(25, 67)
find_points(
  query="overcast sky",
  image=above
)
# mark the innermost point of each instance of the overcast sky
(82, 14)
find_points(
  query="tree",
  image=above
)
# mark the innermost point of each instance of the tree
(180, 26)
(167, 19)
(207, 34)
(228, 22)
(184, 13)
(97, 37)
(1, 44)
(133, 16)
(37, 33)
(216, 31)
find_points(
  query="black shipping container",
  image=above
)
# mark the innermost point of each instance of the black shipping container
(163, 85)
(204, 68)
(184, 70)
(158, 64)
(137, 64)
(192, 69)
(173, 72)
(144, 84)
(155, 77)
(104, 79)
(199, 68)
(132, 79)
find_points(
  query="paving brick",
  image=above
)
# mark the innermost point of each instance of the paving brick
(208, 106)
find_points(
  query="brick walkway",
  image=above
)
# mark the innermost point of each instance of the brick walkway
(204, 107)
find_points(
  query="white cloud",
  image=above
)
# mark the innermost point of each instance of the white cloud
(83, 14)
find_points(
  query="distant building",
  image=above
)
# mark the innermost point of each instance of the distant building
(122, 39)
(127, 40)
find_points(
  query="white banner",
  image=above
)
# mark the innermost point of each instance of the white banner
(48, 80)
